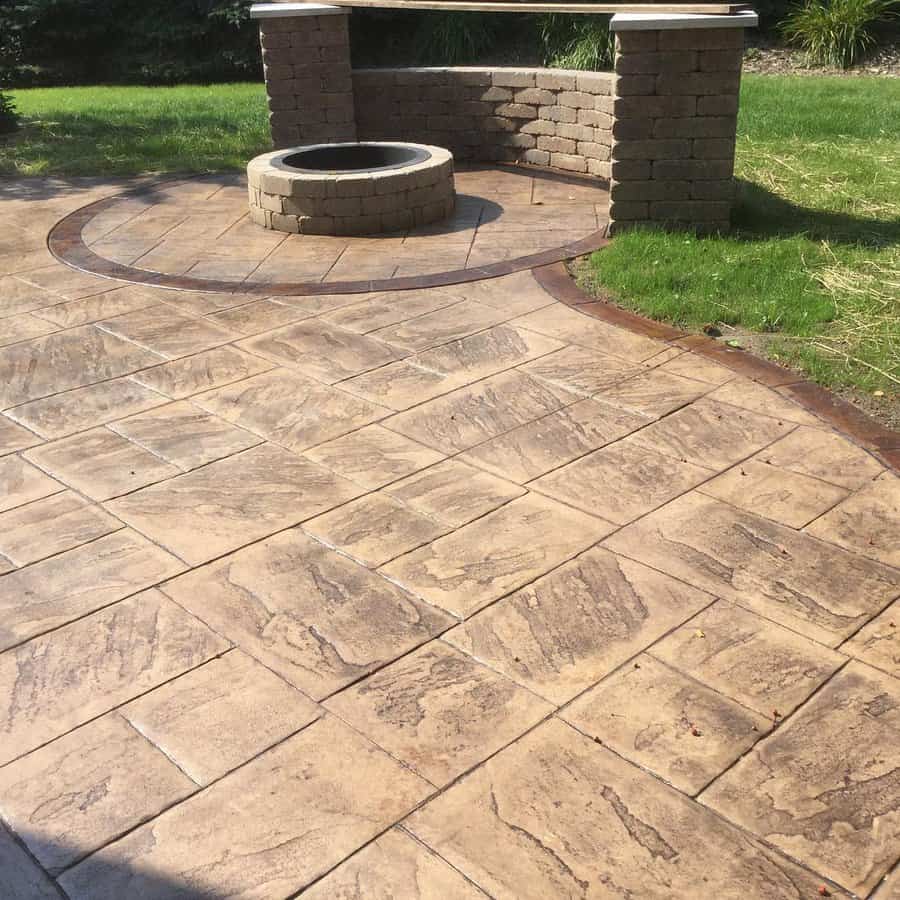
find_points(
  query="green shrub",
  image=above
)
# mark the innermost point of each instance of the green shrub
(836, 32)
(9, 121)
(577, 42)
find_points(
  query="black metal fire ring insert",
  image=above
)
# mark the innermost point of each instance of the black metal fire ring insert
(349, 159)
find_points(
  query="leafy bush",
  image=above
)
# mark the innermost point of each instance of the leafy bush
(8, 119)
(577, 42)
(452, 38)
(836, 32)
(46, 42)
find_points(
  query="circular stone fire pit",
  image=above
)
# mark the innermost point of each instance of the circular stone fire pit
(365, 188)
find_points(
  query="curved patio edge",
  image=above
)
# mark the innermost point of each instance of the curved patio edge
(834, 411)
(66, 244)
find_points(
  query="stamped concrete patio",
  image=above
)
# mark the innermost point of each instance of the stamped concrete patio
(453, 591)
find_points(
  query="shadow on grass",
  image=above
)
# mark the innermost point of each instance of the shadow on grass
(127, 142)
(758, 213)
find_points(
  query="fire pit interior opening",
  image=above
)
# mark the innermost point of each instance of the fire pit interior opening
(356, 158)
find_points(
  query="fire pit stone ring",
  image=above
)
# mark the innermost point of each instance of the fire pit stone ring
(352, 188)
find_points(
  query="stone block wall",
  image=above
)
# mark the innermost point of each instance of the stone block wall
(661, 128)
(675, 117)
(544, 117)
(306, 60)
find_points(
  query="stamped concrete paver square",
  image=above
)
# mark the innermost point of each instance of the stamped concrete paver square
(439, 711)
(491, 556)
(758, 398)
(807, 585)
(85, 408)
(557, 815)
(569, 325)
(184, 435)
(621, 482)
(23, 878)
(441, 326)
(102, 306)
(373, 456)
(14, 437)
(73, 674)
(567, 630)
(220, 715)
(878, 642)
(666, 722)
(254, 318)
(220, 507)
(316, 618)
(101, 463)
(453, 492)
(778, 494)
(51, 525)
(290, 409)
(167, 332)
(401, 385)
(201, 372)
(19, 296)
(394, 865)
(486, 352)
(824, 786)
(61, 588)
(390, 307)
(825, 455)
(480, 411)
(264, 831)
(374, 529)
(21, 482)
(711, 434)
(322, 350)
(654, 393)
(526, 452)
(66, 360)
(79, 792)
(748, 658)
(23, 327)
(581, 370)
(868, 522)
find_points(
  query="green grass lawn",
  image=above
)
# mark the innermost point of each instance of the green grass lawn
(134, 130)
(813, 264)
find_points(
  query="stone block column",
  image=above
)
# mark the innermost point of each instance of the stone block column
(674, 119)
(306, 59)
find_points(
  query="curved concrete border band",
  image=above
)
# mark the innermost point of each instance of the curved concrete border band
(66, 243)
(834, 411)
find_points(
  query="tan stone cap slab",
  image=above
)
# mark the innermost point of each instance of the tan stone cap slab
(676, 21)
(293, 10)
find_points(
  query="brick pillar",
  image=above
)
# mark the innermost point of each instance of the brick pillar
(674, 119)
(306, 59)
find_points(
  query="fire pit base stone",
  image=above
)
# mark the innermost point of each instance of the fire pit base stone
(390, 198)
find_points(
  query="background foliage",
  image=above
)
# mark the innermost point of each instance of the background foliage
(65, 42)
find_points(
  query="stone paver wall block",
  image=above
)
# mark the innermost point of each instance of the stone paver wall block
(674, 120)
(539, 116)
(306, 61)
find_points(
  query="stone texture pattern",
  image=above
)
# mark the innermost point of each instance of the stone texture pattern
(306, 62)
(673, 134)
(436, 593)
(561, 119)
(388, 200)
